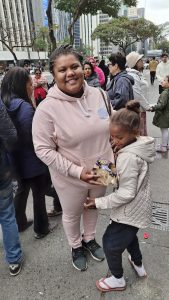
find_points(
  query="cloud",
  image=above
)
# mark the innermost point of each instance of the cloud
(157, 4)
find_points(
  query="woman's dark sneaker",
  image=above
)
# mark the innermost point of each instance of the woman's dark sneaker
(15, 268)
(94, 249)
(79, 260)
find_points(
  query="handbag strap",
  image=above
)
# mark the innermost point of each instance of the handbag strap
(106, 102)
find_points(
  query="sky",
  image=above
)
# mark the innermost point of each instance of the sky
(156, 11)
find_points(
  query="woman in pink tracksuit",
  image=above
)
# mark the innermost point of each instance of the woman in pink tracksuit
(70, 132)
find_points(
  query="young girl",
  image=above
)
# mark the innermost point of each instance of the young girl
(161, 117)
(131, 202)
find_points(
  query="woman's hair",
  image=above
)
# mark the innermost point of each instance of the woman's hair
(63, 50)
(14, 85)
(119, 59)
(91, 66)
(128, 117)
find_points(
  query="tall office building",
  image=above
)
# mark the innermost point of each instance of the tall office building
(20, 19)
(14, 19)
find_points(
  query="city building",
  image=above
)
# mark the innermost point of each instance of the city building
(18, 21)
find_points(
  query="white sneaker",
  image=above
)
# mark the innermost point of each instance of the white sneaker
(111, 284)
(162, 149)
(141, 272)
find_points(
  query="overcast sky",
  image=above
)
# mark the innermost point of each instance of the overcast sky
(156, 11)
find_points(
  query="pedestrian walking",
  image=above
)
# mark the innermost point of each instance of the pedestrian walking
(131, 203)
(70, 132)
(11, 242)
(162, 70)
(120, 88)
(30, 171)
(152, 67)
(140, 87)
(161, 117)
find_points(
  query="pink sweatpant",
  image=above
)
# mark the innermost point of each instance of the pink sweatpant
(72, 195)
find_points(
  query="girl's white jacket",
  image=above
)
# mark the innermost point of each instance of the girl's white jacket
(131, 203)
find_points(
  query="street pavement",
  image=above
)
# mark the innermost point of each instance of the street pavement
(49, 275)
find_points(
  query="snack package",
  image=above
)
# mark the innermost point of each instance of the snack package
(107, 172)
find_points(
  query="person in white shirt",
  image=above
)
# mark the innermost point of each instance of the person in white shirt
(162, 70)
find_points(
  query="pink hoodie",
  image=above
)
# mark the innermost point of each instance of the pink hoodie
(71, 133)
(100, 75)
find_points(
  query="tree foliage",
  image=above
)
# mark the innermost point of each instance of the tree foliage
(78, 7)
(163, 45)
(124, 32)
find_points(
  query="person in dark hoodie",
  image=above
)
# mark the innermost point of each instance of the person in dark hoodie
(16, 92)
(11, 242)
(90, 75)
(120, 88)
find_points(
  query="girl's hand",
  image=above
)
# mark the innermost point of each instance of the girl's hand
(90, 203)
(89, 177)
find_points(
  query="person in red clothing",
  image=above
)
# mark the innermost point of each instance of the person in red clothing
(97, 70)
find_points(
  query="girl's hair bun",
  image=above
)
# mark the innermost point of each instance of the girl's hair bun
(133, 105)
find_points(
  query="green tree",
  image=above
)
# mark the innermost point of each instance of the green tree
(164, 45)
(124, 32)
(85, 50)
(78, 7)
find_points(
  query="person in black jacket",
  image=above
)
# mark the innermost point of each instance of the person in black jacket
(120, 88)
(16, 92)
(11, 242)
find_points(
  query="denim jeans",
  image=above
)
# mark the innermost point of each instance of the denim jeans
(116, 239)
(10, 233)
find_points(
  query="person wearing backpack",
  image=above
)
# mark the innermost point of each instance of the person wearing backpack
(11, 242)
(120, 88)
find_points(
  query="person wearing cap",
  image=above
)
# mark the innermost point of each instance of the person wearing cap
(135, 68)
(162, 70)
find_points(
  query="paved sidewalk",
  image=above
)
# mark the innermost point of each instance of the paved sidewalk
(49, 275)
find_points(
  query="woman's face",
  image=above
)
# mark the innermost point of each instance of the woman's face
(87, 70)
(140, 65)
(165, 83)
(29, 87)
(68, 74)
(37, 74)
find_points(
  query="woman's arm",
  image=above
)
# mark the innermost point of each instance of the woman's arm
(138, 94)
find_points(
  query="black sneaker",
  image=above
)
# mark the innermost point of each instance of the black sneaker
(79, 260)
(15, 268)
(95, 250)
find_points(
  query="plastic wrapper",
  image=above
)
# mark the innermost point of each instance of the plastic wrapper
(107, 172)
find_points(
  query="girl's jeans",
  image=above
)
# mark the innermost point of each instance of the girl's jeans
(10, 234)
(117, 238)
(165, 136)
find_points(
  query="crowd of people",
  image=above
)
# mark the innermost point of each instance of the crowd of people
(50, 140)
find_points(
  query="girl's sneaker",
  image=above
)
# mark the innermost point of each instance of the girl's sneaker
(161, 149)
(141, 272)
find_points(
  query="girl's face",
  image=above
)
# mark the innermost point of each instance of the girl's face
(165, 83)
(68, 74)
(29, 87)
(87, 70)
(121, 137)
